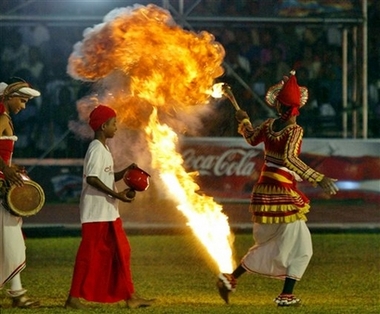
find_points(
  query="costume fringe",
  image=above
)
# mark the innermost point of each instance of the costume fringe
(276, 204)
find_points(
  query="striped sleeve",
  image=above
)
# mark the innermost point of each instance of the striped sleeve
(252, 135)
(291, 160)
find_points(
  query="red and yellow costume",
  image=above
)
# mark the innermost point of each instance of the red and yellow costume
(275, 197)
(283, 245)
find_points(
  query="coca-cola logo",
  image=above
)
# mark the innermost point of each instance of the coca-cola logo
(234, 161)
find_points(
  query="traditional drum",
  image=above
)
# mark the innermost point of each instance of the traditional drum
(26, 200)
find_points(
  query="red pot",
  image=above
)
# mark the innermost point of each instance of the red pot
(137, 179)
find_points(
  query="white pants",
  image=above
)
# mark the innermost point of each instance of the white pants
(280, 250)
(12, 246)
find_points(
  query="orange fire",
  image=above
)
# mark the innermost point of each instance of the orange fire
(144, 60)
(204, 216)
(147, 68)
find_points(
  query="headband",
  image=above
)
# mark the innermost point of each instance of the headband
(21, 89)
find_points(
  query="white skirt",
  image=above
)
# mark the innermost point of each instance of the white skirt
(12, 246)
(280, 250)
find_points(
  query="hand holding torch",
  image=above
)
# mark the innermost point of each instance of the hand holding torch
(220, 89)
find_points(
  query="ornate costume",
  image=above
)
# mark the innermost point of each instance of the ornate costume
(13, 98)
(283, 246)
(275, 197)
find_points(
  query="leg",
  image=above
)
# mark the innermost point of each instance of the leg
(17, 293)
(240, 270)
(287, 298)
(288, 286)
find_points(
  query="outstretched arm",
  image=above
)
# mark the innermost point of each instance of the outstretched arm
(328, 185)
(297, 165)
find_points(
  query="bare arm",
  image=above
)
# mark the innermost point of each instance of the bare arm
(99, 185)
(11, 173)
(119, 175)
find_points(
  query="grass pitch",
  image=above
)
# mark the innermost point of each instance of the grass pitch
(342, 278)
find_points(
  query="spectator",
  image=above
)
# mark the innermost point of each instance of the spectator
(55, 114)
(310, 61)
(330, 77)
(14, 50)
(36, 66)
(237, 62)
(247, 47)
(277, 66)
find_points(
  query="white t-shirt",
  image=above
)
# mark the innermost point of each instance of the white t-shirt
(94, 204)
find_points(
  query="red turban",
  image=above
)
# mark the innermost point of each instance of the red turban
(100, 115)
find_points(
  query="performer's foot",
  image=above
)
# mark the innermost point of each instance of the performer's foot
(20, 300)
(75, 303)
(23, 302)
(287, 300)
(136, 301)
(226, 283)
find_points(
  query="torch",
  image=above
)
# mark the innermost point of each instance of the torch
(220, 89)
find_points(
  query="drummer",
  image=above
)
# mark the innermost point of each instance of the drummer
(13, 99)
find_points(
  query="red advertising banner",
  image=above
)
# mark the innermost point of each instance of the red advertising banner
(228, 167)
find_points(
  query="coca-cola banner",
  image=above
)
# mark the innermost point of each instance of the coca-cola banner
(228, 167)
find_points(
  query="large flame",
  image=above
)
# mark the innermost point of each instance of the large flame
(146, 67)
(155, 62)
(204, 216)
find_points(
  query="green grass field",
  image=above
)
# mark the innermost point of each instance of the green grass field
(343, 277)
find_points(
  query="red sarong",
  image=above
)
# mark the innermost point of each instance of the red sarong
(102, 268)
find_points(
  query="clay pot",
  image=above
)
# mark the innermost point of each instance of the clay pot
(137, 179)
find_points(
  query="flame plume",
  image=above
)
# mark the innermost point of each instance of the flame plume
(157, 63)
(204, 216)
(146, 67)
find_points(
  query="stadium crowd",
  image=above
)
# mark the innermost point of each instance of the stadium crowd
(256, 55)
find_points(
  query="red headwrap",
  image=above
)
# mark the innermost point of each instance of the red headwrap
(100, 115)
(290, 95)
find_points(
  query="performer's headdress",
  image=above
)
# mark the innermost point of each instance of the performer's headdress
(288, 93)
(20, 88)
(101, 114)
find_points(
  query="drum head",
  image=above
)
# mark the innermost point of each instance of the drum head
(26, 200)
